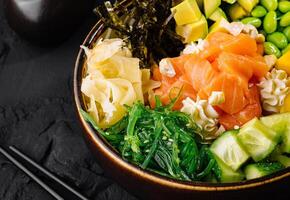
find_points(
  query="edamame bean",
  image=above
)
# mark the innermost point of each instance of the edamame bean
(270, 49)
(279, 39)
(253, 21)
(286, 49)
(284, 6)
(278, 14)
(270, 22)
(259, 11)
(271, 5)
(285, 19)
(286, 32)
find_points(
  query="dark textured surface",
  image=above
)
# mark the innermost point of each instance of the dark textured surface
(36, 115)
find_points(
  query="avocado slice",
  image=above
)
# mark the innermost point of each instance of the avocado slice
(236, 11)
(217, 14)
(210, 6)
(186, 12)
(248, 5)
(219, 26)
(194, 31)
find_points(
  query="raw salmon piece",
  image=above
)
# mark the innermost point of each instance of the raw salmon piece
(156, 74)
(244, 66)
(219, 42)
(167, 93)
(235, 64)
(260, 49)
(200, 72)
(243, 44)
(252, 110)
(178, 63)
(234, 89)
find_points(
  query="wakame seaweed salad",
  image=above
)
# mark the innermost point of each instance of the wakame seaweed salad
(160, 140)
(148, 28)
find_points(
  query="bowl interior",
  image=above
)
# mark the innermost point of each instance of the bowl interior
(80, 72)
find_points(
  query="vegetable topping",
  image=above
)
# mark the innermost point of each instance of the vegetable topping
(187, 94)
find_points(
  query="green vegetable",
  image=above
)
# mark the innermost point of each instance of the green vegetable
(259, 11)
(271, 5)
(286, 32)
(225, 174)
(271, 49)
(270, 22)
(257, 139)
(284, 160)
(258, 170)
(284, 6)
(160, 140)
(280, 124)
(228, 149)
(279, 39)
(253, 21)
(286, 49)
(285, 20)
(279, 14)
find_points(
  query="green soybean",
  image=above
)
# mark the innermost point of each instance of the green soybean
(270, 22)
(271, 49)
(252, 20)
(271, 5)
(286, 32)
(259, 11)
(285, 19)
(279, 39)
(284, 6)
(278, 14)
(286, 49)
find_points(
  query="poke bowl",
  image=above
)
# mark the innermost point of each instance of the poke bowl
(185, 107)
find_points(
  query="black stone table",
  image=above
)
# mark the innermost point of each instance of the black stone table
(36, 116)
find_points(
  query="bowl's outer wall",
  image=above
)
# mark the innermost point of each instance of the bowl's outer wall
(139, 185)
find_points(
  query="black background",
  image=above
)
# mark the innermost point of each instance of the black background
(37, 116)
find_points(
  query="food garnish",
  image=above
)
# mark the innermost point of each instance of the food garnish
(183, 92)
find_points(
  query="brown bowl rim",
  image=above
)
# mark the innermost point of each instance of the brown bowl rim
(106, 148)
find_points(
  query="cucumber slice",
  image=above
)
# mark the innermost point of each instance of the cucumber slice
(281, 124)
(284, 160)
(225, 174)
(258, 140)
(228, 149)
(258, 170)
(286, 140)
(277, 122)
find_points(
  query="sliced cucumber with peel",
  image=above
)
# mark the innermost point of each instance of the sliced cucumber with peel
(258, 170)
(285, 147)
(225, 174)
(277, 122)
(257, 139)
(280, 123)
(228, 149)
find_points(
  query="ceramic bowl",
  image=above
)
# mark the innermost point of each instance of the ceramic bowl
(147, 185)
